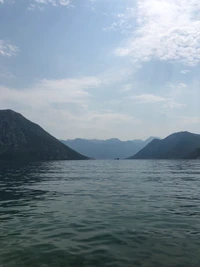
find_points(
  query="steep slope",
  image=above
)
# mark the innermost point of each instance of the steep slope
(106, 149)
(21, 139)
(195, 154)
(176, 146)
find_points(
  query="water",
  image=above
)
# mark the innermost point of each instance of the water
(100, 213)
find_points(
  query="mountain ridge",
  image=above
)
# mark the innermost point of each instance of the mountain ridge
(21, 139)
(106, 149)
(179, 145)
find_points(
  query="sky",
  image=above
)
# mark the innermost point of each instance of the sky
(124, 69)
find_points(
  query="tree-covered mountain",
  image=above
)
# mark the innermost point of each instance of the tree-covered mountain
(179, 145)
(107, 149)
(21, 139)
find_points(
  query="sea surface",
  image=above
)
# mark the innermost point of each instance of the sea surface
(100, 213)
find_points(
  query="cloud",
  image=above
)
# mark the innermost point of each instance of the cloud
(60, 92)
(47, 92)
(170, 85)
(168, 102)
(54, 104)
(40, 4)
(31, 7)
(66, 108)
(185, 71)
(171, 104)
(182, 85)
(123, 21)
(167, 30)
(11, 2)
(7, 75)
(189, 120)
(116, 74)
(106, 124)
(177, 90)
(126, 88)
(176, 87)
(149, 98)
(105, 119)
(7, 49)
(54, 2)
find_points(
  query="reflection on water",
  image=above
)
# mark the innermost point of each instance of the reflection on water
(100, 213)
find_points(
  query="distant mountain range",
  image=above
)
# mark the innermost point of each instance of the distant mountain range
(181, 145)
(21, 139)
(107, 149)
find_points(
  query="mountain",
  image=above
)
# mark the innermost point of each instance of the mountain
(195, 154)
(179, 145)
(106, 149)
(21, 139)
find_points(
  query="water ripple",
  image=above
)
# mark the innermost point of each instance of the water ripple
(100, 213)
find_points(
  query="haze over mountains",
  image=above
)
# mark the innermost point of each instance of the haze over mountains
(107, 149)
(181, 145)
(21, 139)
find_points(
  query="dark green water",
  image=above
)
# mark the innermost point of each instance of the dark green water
(100, 213)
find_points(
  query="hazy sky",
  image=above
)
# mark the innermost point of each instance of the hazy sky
(102, 68)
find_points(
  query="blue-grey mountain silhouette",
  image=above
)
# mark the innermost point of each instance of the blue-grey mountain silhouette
(179, 145)
(107, 149)
(21, 139)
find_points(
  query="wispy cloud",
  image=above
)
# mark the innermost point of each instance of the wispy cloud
(68, 90)
(46, 92)
(54, 2)
(171, 104)
(175, 91)
(7, 75)
(65, 107)
(149, 98)
(166, 30)
(116, 74)
(189, 120)
(112, 117)
(182, 85)
(185, 71)
(7, 1)
(127, 88)
(7, 49)
(123, 21)
(168, 102)
(63, 101)
(40, 4)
